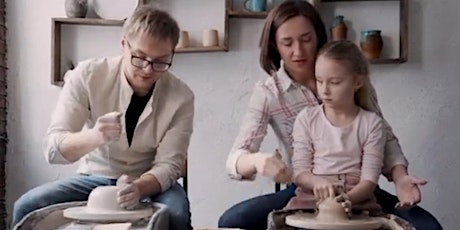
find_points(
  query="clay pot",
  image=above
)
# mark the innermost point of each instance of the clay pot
(331, 210)
(339, 29)
(184, 39)
(76, 8)
(371, 43)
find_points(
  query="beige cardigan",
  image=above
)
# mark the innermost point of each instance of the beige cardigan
(162, 135)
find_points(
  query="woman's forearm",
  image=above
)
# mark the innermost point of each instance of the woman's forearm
(398, 171)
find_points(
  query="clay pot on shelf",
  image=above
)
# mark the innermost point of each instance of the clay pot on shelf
(339, 29)
(184, 39)
(371, 43)
(76, 8)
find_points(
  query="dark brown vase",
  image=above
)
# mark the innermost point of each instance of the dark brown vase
(339, 29)
(371, 43)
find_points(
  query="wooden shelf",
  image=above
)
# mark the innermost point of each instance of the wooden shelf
(358, 0)
(56, 43)
(388, 61)
(403, 30)
(59, 83)
(200, 49)
(246, 14)
(57, 23)
(88, 21)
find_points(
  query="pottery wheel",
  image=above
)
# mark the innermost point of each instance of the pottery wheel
(309, 221)
(85, 214)
(331, 215)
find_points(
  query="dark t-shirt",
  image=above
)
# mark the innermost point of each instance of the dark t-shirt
(134, 111)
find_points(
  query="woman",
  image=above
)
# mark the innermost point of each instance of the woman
(292, 35)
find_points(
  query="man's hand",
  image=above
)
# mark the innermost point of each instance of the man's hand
(129, 193)
(408, 191)
(272, 166)
(108, 127)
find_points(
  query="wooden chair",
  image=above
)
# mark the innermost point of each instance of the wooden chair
(277, 187)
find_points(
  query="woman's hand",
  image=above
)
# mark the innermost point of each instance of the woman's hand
(271, 165)
(407, 190)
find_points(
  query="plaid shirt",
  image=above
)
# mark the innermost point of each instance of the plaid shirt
(276, 102)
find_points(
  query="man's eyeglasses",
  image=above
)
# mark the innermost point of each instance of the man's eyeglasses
(140, 62)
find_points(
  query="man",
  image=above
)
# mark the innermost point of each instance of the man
(137, 119)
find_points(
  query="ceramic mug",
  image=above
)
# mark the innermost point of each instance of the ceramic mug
(210, 38)
(255, 5)
(184, 40)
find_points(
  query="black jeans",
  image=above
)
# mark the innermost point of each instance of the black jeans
(417, 216)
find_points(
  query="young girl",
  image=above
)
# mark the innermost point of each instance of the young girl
(339, 143)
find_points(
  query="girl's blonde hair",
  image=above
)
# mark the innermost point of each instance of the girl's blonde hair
(350, 57)
(152, 21)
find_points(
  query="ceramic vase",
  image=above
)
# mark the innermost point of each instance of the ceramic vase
(371, 43)
(339, 29)
(76, 8)
(184, 39)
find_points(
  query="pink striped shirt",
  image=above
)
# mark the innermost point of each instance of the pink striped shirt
(321, 148)
(276, 102)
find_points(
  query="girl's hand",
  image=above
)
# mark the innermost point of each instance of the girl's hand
(345, 201)
(323, 188)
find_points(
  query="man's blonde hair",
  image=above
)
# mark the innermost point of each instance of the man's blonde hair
(152, 21)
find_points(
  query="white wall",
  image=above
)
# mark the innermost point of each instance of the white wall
(420, 99)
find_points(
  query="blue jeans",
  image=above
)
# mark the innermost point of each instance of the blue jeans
(252, 214)
(78, 189)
